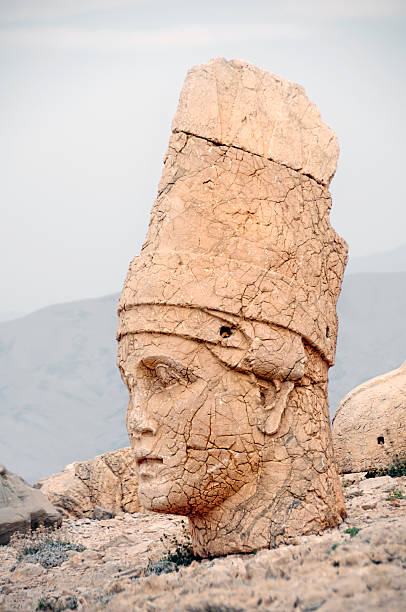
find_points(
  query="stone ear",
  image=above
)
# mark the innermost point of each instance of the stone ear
(274, 404)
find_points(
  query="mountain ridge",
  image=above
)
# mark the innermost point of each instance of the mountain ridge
(379, 263)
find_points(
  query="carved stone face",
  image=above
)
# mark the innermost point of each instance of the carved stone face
(227, 316)
(216, 424)
(192, 422)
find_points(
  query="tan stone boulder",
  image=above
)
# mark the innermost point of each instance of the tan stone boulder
(108, 480)
(369, 427)
(22, 507)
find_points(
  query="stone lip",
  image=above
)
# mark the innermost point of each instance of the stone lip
(21, 507)
(235, 103)
(368, 427)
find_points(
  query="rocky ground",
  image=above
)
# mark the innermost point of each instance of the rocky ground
(359, 566)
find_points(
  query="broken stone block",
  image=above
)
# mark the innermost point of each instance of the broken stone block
(23, 508)
(107, 480)
(101, 514)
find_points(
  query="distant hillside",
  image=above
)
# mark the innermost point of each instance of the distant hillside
(61, 396)
(372, 330)
(379, 263)
(62, 399)
(9, 315)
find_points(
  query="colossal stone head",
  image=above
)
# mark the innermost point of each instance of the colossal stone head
(227, 318)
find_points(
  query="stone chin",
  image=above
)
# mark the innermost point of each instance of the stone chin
(177, 491)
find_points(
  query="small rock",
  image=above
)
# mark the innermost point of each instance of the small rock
(102, 514)
(30, 570)
(90, 555)
(369, 506)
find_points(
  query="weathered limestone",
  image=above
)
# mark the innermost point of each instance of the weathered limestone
(250, 109)
(227, 318)
(108, 480)
(369, 427)
(21, 507)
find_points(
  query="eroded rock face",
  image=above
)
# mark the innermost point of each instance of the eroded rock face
(22, 508)
(108, 481)
(227, 318)
(369, 427)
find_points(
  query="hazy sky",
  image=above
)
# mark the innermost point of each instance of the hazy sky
(88, 91)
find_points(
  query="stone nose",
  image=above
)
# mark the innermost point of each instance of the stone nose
(139, 424)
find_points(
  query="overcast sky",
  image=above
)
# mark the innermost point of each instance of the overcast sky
(88, 91)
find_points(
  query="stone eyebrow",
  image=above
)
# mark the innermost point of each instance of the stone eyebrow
(154, 361)
(151, 361)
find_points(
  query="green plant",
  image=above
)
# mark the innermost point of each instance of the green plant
(53, 604)
(395, 469)
(180, 554)
(395, 494)
(42, 546)
(105, 599)
(398, 467)
(352, 531)
(49, 553)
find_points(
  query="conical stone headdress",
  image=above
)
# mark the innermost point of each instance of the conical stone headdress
(241, 223)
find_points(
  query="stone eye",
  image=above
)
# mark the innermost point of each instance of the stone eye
(225, 331)
(165, 372)
(166, 375)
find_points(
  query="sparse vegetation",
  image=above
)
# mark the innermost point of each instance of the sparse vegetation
(42, 546)
(55, 604)
(396, 469)
(180, 554)
(395, 494)
(105, 599)
(352, 531)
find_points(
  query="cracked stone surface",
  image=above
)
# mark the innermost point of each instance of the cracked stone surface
(328, 572)
(108, 480)
(369, 425)
(237, 104)
(227, 317)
